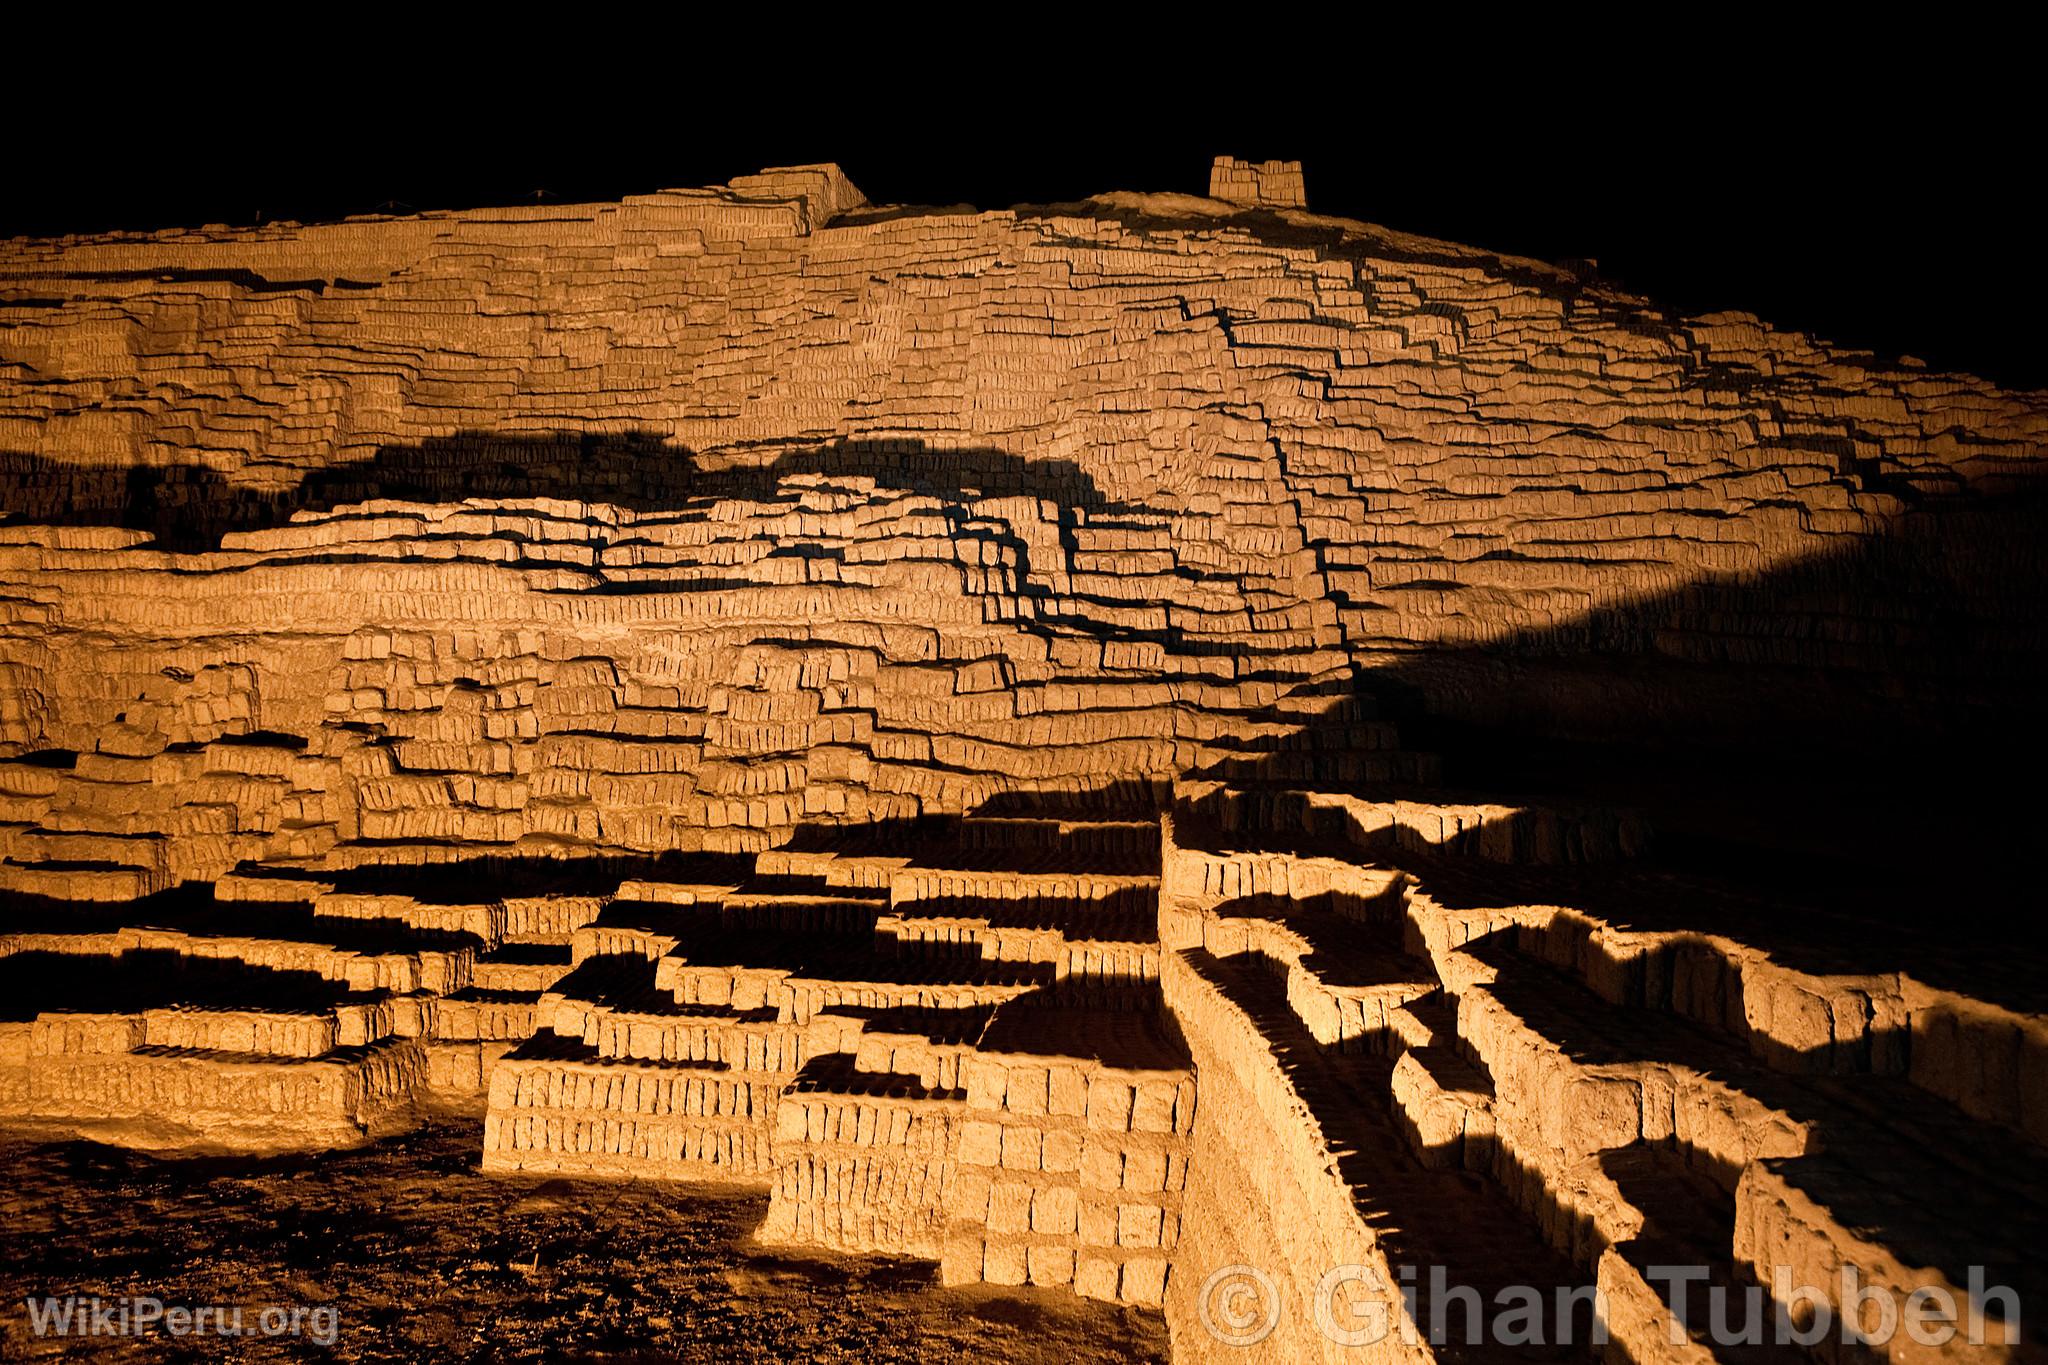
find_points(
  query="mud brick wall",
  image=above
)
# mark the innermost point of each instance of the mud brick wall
(1049, 1171)
(1264, 184)
(1492, 830)
(695, 520)
(714, 512)
(612, 1117)
(1269, 1155)
(1070, 1173)
(1610, 1078)
(243, 1031)
(110, 1066)
(862, 1173)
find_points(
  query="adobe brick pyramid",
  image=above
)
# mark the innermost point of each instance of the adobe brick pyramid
(880, 705)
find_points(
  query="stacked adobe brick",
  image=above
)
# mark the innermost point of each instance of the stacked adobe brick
(721, 522)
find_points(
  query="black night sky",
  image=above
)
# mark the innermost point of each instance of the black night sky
(1868, 208)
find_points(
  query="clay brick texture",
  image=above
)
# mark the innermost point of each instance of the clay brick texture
(881, 707)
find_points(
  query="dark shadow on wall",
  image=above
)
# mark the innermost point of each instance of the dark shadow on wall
(142, 979)
(1856, 731)
(1901, 1142)
(189, 506)
(1868, 1118)
(1848, 728)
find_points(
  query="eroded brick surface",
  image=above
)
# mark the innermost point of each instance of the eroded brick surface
(877, 707)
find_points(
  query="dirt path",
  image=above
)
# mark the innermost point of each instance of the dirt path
(410, 1254)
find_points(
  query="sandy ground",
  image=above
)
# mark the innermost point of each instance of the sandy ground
(415, 1256)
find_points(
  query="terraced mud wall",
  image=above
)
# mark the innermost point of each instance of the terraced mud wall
(746, 519)
(724, 510)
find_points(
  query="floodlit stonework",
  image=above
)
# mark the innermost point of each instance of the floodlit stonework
(891, 708)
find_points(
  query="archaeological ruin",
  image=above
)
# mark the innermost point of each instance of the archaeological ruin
(1170, 749)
